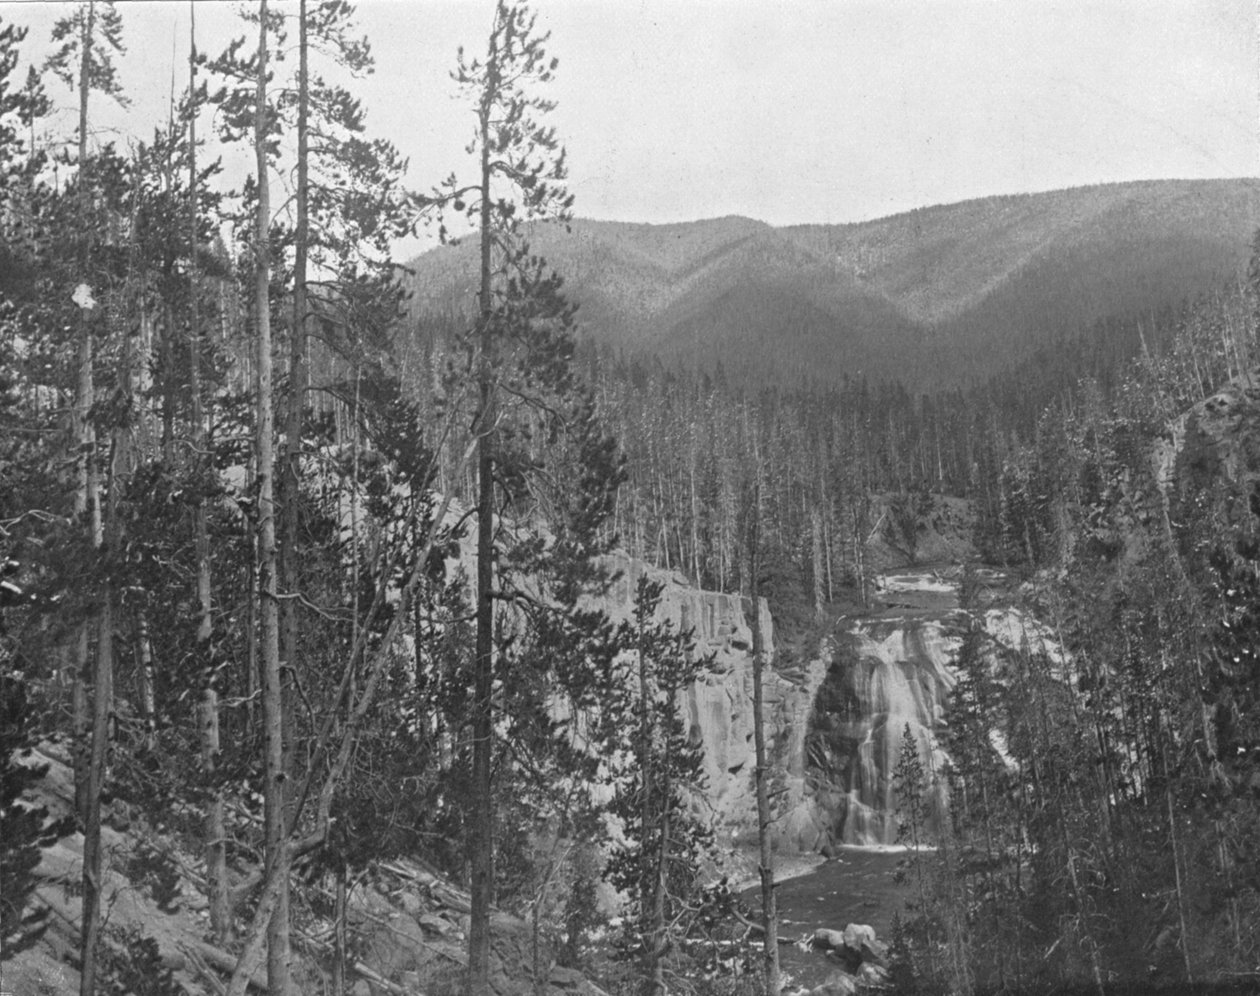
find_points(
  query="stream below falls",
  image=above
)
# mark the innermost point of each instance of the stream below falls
(898, 674)
(856, 886)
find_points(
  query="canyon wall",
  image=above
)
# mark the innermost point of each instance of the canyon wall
(718, 709)
(835, 723)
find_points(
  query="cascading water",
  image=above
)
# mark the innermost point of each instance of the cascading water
(834, 723)
(895, 679)
(889, 673)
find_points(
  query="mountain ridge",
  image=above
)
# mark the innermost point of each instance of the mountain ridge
(936, 297)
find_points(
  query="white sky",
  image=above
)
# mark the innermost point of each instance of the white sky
(798, 110)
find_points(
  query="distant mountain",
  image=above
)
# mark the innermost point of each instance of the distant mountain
(936, 298)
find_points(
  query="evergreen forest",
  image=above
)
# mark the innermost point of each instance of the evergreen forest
(305, 570)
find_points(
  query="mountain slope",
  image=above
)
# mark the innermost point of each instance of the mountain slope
(936, 298)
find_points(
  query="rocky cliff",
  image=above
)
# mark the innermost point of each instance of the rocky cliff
(718, 709)
(1219, 438)
(883, 673)
(407, 925)
(834, 724)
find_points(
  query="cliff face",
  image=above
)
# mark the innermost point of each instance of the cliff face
(1219, 438)
(718, 710)
(836, 725)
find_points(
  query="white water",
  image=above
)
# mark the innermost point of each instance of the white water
(897, 673)
(901, 681)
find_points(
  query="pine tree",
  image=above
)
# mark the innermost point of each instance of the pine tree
(521, 331)
(658, 867)
(84, 61)
(769, 912)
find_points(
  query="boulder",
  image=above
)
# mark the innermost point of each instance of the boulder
(832, 941)
(434, 924)
(872, 975)
(857, 934)
(566, 978)
(828, 940)
(837, 984)
(856, 946)
(861, 940)
(395, 946)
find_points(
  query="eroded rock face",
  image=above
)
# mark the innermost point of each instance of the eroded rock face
(1217, 438)
(718, 709)
(835, 725)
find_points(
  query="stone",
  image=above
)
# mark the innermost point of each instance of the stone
(857, 934)
(828, 940)
(875, 953)
(434, 924)
(395, 946)
(410, 902)
(837, 984)
(871, 974)
(566, 978)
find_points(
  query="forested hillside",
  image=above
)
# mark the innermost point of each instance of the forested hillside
(305, 558)
(287, 611)
(935, 299)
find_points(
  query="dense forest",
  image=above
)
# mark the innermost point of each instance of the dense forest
(937, 299)
(300, 575)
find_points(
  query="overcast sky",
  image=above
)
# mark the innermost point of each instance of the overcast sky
(800, 110)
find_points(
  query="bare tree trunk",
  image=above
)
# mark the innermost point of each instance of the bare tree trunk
(339, 936)
(214, 826)
(148, 692)
(290, 483)
(765, 868)
(102, 695)
(816, 561)
(654, 941)
(481, 839)
(91, 735)
(102, 710)
(274, 794)
(87, 507)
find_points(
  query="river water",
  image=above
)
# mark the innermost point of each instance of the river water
(900, 675)
(856, 886)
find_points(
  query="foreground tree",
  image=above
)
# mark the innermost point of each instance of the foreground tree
(88, 38)
(521, 328)
(761, 776)
(658, 867)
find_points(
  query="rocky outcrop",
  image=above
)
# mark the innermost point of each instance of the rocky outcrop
(862, 957)
(1217, 439)
(834, 725)
(407, 925)
(920, 528)
(718, 709)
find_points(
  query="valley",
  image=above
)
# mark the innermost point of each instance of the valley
(482, 624)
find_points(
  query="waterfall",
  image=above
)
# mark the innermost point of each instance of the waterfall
(895, 676)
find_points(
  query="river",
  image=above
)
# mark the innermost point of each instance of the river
(900, 675)
(856, 886)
